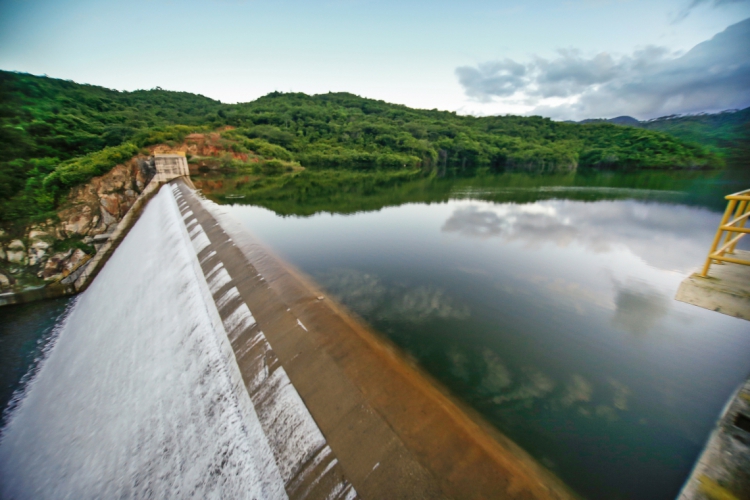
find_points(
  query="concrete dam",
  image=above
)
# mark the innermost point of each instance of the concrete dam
(197, 364)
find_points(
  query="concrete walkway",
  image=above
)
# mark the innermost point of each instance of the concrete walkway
(392, 433)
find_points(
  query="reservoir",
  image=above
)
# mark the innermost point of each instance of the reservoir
(546, 304)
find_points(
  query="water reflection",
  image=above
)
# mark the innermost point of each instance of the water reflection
(367, 295)
(552, 317)
(632, 224)
(639, 307)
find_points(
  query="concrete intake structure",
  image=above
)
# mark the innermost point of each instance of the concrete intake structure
(299, 399)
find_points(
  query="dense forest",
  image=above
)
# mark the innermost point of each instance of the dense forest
(726, 133)
(55, 134)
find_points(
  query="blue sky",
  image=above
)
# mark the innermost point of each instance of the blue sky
(566, 59)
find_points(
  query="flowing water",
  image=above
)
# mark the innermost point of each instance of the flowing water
(26, 331)
(140, 396)
(545, 304)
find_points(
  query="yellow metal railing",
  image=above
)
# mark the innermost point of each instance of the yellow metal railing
(739, 205)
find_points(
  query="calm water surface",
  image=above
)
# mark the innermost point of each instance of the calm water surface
(549, 309)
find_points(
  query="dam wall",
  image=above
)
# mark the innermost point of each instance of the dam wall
(198, 364)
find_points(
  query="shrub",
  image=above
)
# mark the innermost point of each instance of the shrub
(79, 170)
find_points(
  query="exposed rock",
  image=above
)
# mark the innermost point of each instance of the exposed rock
(78, 220)
(16, 253)
(37, 252)
(36, 233)
(89, 210)
(107, 219)
(54, 266)
(74, 260)
(111, 204)
(39, 242)
(4, 282)
(93, 207)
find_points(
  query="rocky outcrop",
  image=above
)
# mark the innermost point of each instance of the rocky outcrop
(205, 146)
(95, 207)
(50, 250)
(16, 253)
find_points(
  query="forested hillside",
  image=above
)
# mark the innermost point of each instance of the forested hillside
(56, 134)
(726, 133)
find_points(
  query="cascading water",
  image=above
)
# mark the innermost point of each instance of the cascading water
(141, 396)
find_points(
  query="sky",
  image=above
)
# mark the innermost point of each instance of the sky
(566, 59)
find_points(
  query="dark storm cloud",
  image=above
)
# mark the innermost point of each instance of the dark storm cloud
(712, 76)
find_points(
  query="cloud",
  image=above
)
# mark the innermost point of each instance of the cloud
(627, 223)
(498, 78)
(695, 3)
(713, 76)
(639, 309)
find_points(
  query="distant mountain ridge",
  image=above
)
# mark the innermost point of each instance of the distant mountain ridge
(619, 120)
(726, 133)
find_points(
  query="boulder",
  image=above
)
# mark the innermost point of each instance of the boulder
(37, 252)
(16, 253)
(77, 220)
(54, 265)
(110, 204)
(116, 180)
(4, 282)
(107, 218)
(37, 233)
(76, 258)
(39, 242)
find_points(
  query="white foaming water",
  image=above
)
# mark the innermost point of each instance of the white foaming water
(141, 396)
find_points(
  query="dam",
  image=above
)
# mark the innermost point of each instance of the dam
(198, 364)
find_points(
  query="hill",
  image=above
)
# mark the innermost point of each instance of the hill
(726, 133)
(57, 134)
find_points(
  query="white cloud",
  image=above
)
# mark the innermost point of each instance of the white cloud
(650, 82)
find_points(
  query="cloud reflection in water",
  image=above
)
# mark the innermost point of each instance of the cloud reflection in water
(612, 224)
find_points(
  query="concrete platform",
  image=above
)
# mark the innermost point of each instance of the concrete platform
(726, 289)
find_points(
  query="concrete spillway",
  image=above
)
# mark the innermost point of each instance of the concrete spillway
(198, 365)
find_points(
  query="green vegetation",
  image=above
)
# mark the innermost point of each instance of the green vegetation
(346, 131)
(312, 191)
(727, 133)
(345, 192)
(56, 134)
